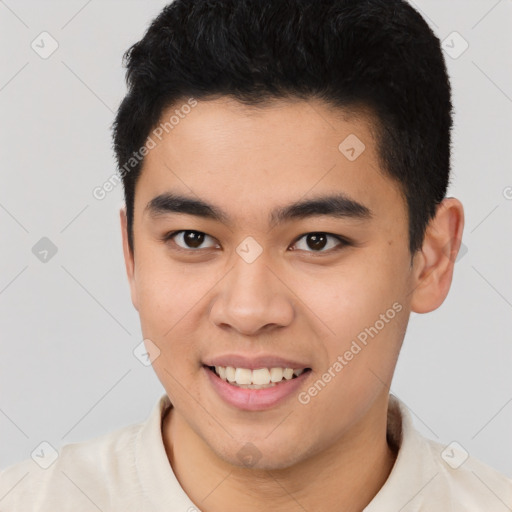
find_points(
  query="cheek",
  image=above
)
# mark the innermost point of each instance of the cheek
(160, 291)
(166, 312)
(169, 301)
(362, 310)
(348, 298)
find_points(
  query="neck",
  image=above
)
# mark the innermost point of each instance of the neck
(350, 472)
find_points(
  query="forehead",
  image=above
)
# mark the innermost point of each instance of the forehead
(280, 128)
(248, 157)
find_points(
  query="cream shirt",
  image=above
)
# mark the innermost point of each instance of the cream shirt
(128, 470)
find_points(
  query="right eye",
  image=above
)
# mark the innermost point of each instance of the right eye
(187, 240)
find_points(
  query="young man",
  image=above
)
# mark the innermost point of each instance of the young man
(285, 166)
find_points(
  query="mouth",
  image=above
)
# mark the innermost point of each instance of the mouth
(259, 378)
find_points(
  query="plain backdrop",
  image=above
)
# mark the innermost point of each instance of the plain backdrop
(67, 325)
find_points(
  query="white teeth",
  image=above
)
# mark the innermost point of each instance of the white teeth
(288, 373)
(261, 376)
(221, 372)
(243, 376)
(276, 374)
(230, 374)
(256, 379)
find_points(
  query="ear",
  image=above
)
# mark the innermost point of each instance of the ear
(129, 259)
(433, 264)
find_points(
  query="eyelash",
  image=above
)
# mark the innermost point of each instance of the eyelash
(344, 242)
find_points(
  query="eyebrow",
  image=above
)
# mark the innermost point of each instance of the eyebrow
(336, 205)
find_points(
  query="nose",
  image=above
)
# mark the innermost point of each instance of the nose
(252, 298)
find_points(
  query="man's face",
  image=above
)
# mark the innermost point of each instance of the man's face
(283, 289)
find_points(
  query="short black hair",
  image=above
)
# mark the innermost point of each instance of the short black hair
(377, 56)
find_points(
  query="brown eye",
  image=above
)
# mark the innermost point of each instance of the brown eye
(316, 242)
(319, 241)
(188, 239)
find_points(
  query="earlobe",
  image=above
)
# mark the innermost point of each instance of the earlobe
(129, 259)
(433, 265)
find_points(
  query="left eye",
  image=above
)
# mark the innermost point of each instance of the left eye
(318, 241)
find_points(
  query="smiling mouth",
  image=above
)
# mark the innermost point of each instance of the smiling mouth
(256, 379)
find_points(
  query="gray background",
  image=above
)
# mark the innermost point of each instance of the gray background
(67, 326)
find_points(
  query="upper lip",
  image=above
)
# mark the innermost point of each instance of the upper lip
(254, 362)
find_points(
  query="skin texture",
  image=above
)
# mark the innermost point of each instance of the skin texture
(291, 301)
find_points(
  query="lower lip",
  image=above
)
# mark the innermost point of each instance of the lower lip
(255, 399)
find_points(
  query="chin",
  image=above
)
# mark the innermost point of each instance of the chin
(263, 456)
